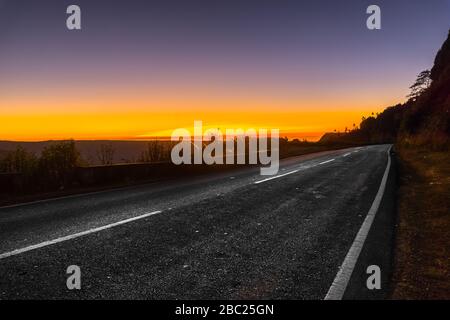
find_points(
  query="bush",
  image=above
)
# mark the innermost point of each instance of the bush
(155, 152)
(19, 161)
(57, 164)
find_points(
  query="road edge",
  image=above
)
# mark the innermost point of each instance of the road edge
(342, 279)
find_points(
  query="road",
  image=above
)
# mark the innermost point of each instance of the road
(233, 235)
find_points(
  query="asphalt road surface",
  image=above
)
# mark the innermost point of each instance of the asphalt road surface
(233, 235)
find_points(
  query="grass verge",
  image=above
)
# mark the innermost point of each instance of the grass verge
(422, 254)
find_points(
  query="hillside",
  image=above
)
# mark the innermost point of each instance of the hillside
(421, 121)
(426, 122)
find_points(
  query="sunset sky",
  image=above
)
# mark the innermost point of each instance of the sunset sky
(143, 68)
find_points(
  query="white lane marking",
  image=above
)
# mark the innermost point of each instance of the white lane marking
(275, 177)
(291, 172)
(347, 154)
(75, 235)
(326, 161)
(337, 289)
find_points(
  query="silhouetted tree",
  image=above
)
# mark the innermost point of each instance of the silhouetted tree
(106, 154)
(19, 161)
(422, 83)
(58, 162)
(155, 152)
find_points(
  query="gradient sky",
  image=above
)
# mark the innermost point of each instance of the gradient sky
(143, 68)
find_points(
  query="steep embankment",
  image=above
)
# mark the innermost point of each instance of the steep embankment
(422, 263)
(423, 121)
(426, 121)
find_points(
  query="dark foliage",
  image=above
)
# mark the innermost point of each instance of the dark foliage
(54, 169)
(422, 121)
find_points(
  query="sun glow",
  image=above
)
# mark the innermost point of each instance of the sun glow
(141, 125)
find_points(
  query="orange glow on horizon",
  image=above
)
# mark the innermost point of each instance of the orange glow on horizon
(310, 125)
(142, 112)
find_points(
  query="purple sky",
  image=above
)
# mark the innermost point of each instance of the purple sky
(277, 54)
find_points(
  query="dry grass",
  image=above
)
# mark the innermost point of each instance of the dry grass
(422, 263)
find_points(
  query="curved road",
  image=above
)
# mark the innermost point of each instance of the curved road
(234, 235)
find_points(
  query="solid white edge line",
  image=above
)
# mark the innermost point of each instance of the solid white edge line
(75, 235)
(339, 285)
(278, 176)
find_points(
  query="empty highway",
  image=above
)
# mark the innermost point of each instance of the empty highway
(233, 235)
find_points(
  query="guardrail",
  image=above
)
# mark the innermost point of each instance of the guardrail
(98, 176)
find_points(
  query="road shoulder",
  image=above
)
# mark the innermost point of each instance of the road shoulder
(422, 264)
(378, 247)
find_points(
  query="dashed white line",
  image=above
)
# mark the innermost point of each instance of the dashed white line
(327, 161)
(94, 230)
(347, 154)
(291, 172)
(276, 177)
(75, 235)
